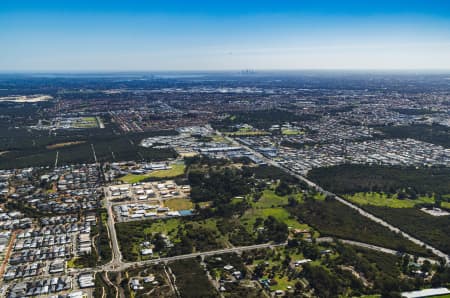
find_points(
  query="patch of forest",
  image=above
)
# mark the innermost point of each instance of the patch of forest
(349, 179)
(435, 134)
(434, 230)
(334, 219)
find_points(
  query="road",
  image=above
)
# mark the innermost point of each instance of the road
(375, 248)
(116, 254)
(361, 211)
(117, 263)
(93, 152)
(124, 266)
(56, 159)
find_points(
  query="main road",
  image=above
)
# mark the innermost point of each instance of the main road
(361, 211)
(116, 254)
(118, 265)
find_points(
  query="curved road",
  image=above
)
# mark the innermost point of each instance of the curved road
(374, 247)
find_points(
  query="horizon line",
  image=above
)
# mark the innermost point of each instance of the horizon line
(249, 70)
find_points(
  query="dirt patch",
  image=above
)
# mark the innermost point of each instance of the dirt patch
(66, 144)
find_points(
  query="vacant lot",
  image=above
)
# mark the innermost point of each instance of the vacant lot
(176, 171)
(65, 144)
(179, 204)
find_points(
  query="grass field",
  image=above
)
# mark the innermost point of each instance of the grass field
(290, 132)
(246, 132)
(86, 122)
(163, 226)
(250, 216)
(445, 205)
(382, 200)
(179, 204)
(271, 199)
(72, 263)
(176, 170)
(218, 138)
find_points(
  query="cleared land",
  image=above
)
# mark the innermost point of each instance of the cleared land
(179, 204)
(65, 144)
(290, 132)
(176, 170)
(247, 133)
(86, 122)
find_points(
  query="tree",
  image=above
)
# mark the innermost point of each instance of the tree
(275, 230)
(298, 288)
(283, 188)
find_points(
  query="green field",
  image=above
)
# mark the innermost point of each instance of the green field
(247, 133)
(176, 170)
(86, 122)
(281, 214)
(290, 132)
(179, 204)
(219, 139)
(167, 227)
(382, 199)
(270, 199)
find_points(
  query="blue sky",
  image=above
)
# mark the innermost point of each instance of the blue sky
(223, 35)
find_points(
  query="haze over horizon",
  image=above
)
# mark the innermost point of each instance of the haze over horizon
(204, 35)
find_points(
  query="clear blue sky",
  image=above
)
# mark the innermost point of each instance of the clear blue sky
(66, 35)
